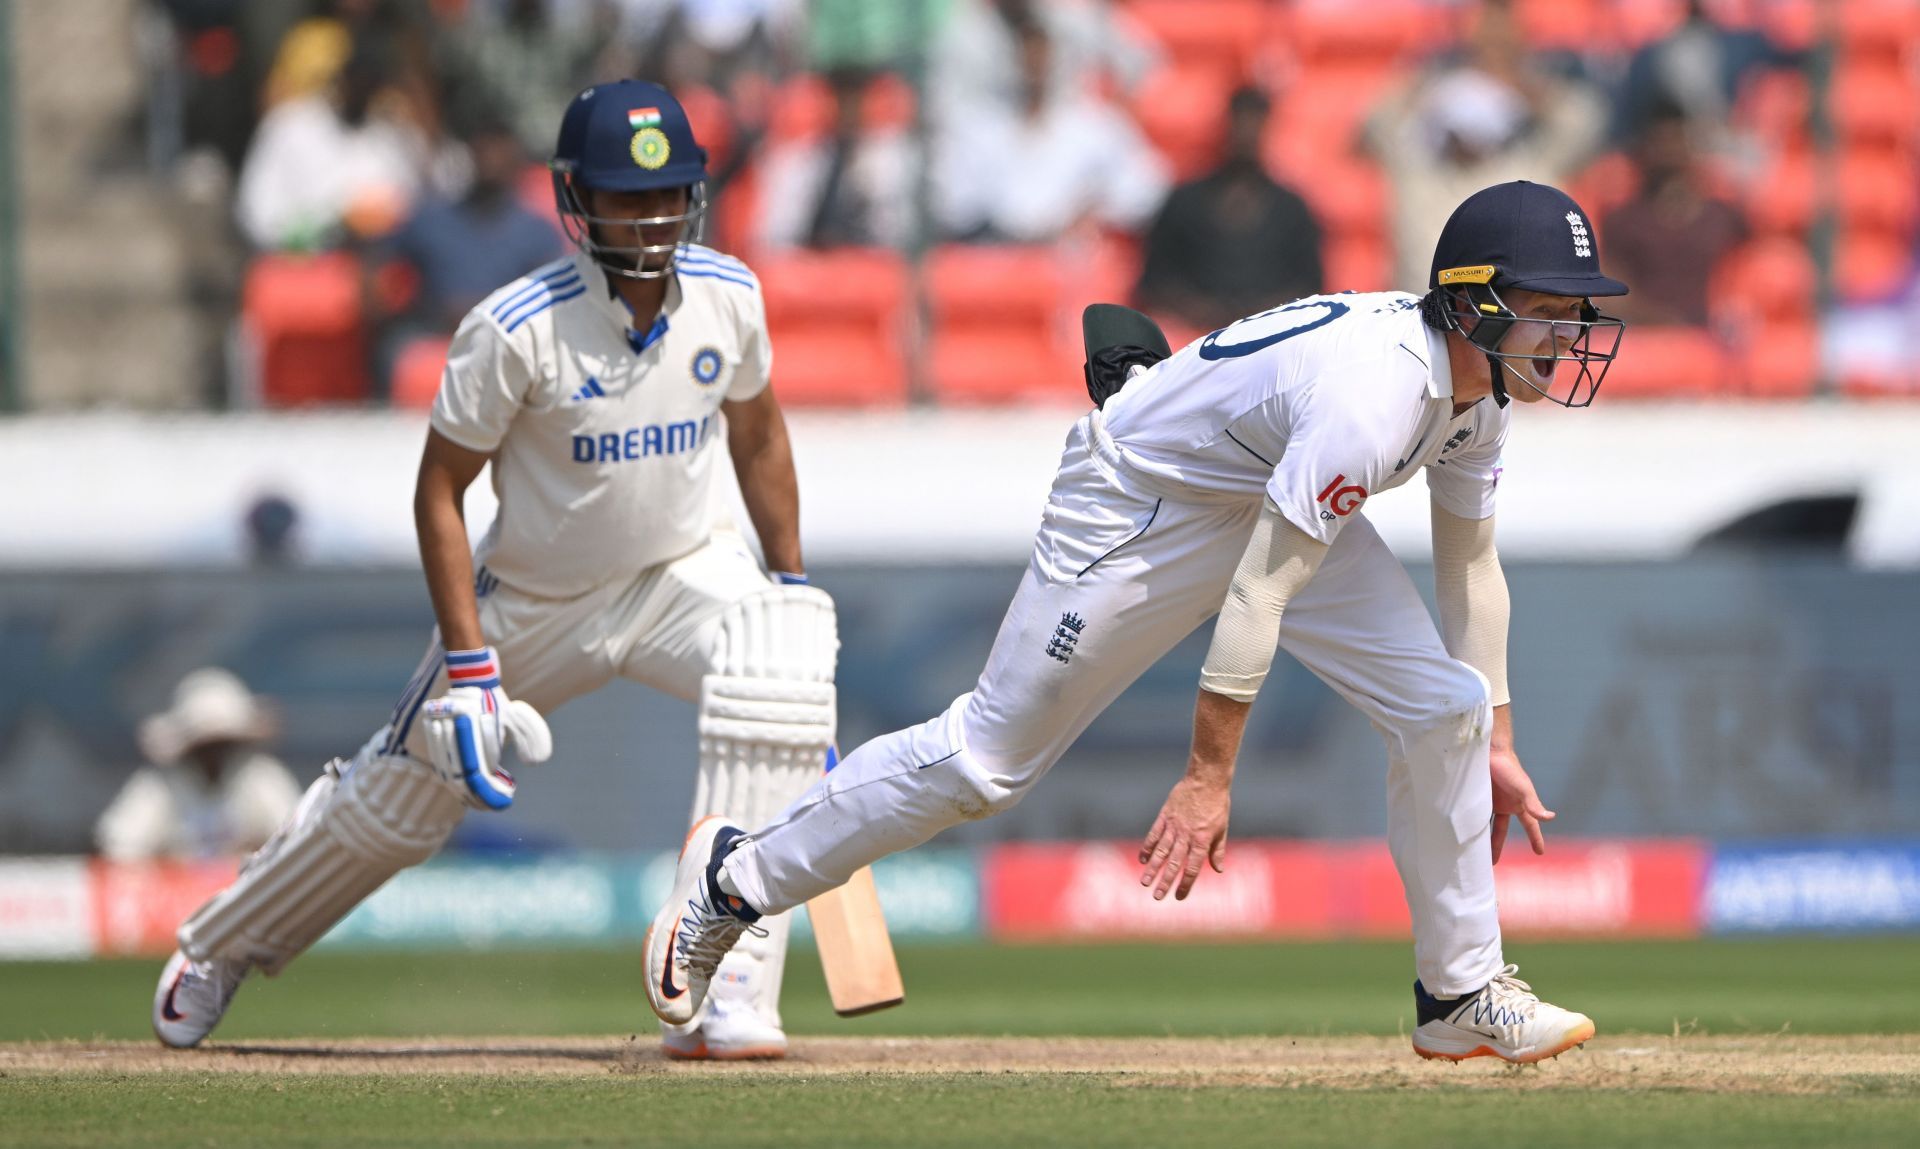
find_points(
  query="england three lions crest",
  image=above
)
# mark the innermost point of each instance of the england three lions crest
(1065, 637)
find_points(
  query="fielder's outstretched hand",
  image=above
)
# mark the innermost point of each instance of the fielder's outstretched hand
(1191, 831)
(1514, 797)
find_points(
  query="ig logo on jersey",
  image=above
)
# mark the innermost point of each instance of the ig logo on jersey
(1340, 500)
(706, 365)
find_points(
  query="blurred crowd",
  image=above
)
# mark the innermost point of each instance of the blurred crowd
(930, 188)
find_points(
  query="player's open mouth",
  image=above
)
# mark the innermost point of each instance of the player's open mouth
(1543, 368)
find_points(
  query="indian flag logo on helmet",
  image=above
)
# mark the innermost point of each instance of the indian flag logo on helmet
(650, 148)
(638, 118)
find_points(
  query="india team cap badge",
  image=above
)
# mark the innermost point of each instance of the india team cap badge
(650, 148)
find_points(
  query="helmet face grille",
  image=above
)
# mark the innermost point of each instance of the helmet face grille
(636, 260)
(1592, 342)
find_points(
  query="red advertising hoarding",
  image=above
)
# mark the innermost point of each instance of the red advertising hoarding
(138, 906)
(1275, 889)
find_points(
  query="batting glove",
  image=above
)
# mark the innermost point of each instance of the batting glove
(469, 726)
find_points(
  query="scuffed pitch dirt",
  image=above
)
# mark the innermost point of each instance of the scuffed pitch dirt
(1747, 1064)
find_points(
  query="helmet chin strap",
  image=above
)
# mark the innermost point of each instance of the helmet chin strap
(1494, 374)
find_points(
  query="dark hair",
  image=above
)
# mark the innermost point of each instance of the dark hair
(1664, 110)
(1249, 99)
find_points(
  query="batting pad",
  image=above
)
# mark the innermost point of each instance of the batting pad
(767, 717)
(356, 827)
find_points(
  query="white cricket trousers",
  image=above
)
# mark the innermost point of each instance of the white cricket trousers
(657, 629)
(1120, 573)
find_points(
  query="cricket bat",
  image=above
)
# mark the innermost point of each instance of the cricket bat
(856, 952)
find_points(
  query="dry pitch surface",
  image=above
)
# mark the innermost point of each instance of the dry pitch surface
(1775, 1064)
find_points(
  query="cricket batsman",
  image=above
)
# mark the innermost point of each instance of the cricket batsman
(606, 389)
(1231, 479)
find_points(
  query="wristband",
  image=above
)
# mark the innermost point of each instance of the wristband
(476, 668)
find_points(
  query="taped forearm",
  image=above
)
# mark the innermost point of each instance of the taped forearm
(1471, 590)
(1280, 560)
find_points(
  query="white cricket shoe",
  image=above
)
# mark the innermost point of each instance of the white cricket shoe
(192, 997)
(696, 927)
(727, 1031)
(1505, 1019)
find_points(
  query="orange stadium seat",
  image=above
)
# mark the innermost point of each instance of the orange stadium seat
(1669, 363)
(1183, 113)
(1782, 361)
(1776, 107)
(303, 314)
(1219, 36)
(1876, 193)
(888, 104)
(1317, 118)
(1605, 184)
(1359, 262)
(711, 120)
(1880, 30)
(1891, 383)
(417, 372)
(802, 108)
(1873, 107)
(1640, 22)
(1328, 32)
(1349, 197)
(1769, 282)
(1870, 265)
(999, 326)
(1571, 25)
(1793, 24)
(1786, 197)
(838, 324)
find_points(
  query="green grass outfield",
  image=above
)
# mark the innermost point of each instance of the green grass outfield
(1748, 991)
(1840, 986)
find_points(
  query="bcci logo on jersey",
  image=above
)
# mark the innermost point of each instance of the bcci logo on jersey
(706, 365)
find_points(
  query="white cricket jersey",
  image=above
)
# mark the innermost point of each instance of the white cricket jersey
(604, 439)
(1318, 404)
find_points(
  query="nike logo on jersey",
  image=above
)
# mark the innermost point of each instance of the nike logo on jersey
(591, 391)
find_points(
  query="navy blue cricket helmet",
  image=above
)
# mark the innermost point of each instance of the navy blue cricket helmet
(628, 136)
(1528, 237)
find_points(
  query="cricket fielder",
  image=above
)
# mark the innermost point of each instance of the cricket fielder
(600, 387)
(1230, 478)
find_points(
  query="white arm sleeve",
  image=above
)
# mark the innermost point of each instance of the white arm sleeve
(1472, 592)
(1280, 559)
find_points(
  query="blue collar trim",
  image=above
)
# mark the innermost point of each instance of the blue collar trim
(654, 334)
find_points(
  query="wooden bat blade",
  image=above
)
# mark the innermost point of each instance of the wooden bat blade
(856, 951)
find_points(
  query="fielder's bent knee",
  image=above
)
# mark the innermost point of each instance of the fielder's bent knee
(1453, 693)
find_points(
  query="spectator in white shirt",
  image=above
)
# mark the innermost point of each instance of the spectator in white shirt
(322, 163)
(1061, 160)
(210, 790)
(854, 187)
